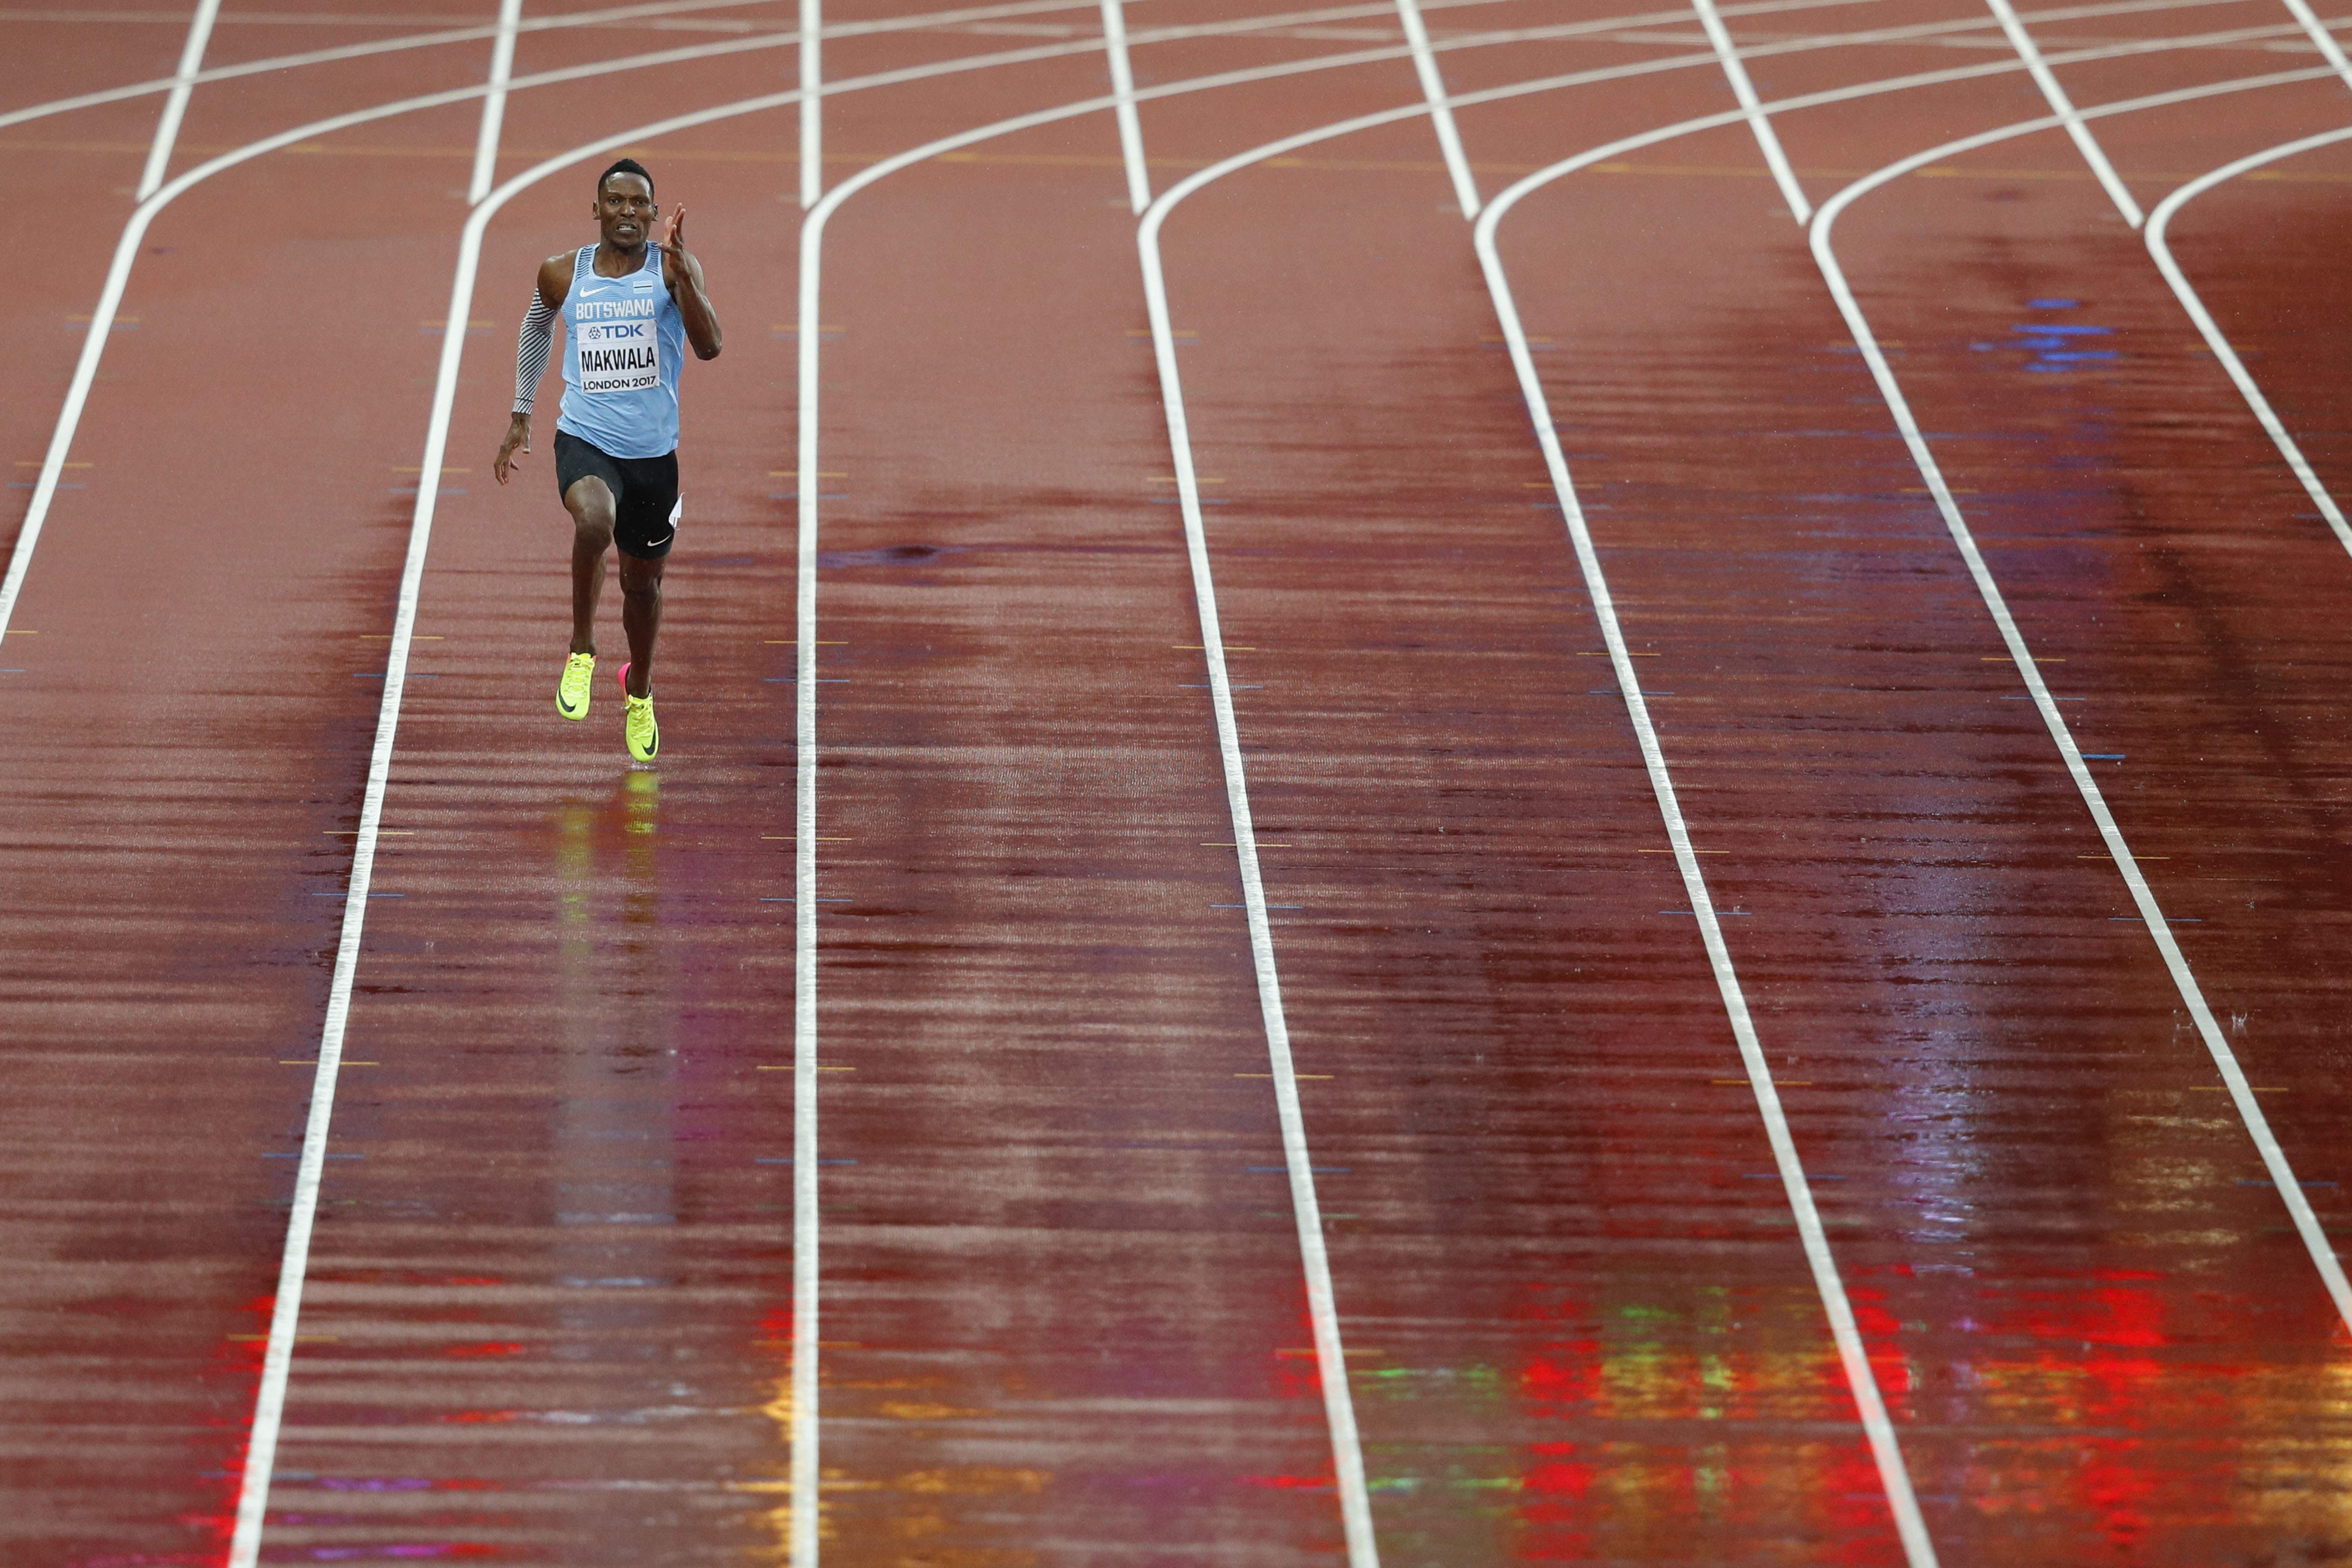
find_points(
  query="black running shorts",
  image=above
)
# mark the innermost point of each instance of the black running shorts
(645, 493)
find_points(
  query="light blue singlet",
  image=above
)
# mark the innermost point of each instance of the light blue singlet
(624, 343)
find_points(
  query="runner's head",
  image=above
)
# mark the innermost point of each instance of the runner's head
(625, 209)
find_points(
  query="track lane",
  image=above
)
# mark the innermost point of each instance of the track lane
(638, 819)
(162, 866)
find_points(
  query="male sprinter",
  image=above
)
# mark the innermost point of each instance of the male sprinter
(626, 304)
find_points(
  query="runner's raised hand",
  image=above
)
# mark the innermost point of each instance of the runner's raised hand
(673, 244)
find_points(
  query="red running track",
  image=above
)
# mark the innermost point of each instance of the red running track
(1064, 1316)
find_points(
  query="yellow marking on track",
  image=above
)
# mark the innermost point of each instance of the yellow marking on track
(21, 632)
(36, 462)
(1310, 1349)
(841, 1344)
(1296, 1075)
(836, 1069)
(775, 1067)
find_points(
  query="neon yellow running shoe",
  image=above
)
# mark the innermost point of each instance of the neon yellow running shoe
(572, 691)
(643, 734)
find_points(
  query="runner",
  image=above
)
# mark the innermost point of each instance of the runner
(625, 305)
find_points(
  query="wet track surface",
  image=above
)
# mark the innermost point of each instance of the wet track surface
(1065, 1313)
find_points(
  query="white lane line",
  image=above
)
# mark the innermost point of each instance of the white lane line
(2159, 246)
(2063, 108)
(2273, 1157)
(806, 1499)
(1441, 112)
(1885, 1450)
(494, 103)
(1322, 1307)
(1767, 139)
(1131, 123)
(294, 1260)
(812, 148)
(175, 107)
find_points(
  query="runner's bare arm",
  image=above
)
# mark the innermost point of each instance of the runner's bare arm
(531, 348)
(683, 273)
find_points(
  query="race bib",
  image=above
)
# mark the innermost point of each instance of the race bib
(620, 355)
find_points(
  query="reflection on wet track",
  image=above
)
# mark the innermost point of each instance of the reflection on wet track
(1063, 1314)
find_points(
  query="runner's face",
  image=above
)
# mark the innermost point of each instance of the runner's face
(625, 210)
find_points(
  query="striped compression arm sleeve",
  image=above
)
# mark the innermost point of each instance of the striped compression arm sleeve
(531, 346)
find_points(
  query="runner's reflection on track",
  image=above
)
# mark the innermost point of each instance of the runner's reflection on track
(612, 1152)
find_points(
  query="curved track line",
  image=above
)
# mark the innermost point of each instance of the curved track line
(2275, 1161)
(2159, 246)
(1870, 1404)
(1887, 1452)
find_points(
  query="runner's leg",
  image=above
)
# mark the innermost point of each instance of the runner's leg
(641, 607)
(590, 502)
